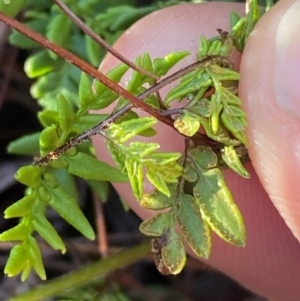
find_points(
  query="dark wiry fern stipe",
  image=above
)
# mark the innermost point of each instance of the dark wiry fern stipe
(200, 139)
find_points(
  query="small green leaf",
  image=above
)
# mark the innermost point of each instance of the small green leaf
(19, 40)
(40, 64)
(86, 94)
(88, 121)
(204, 157)
(115, 74)
(203, 47)
(137, 79)
(104, 96)
(59, 29)
(192, 82)
(173, 254)
(156, 225)
(94, 52)
(236, 125)
(29, 176)
(26, 145)
(48, 117)
(62, 80)
(43, 194)
(193, 227)
(163, 65)
(170, 172)
(117, 155)
(146, 62)
(21, 207)
(229, 98)
(12, 7)
(216, 108)
(47, 231)
(66, 180)
(162, 159)
(126, 130)
(269, 4)
(200, 107)
(218, 208)
(26, 271)
(238, 112)
(187, 124)
(90, 168)
(157, 200)
(17, 260)
(60, 162)
(252, 17)
(50, 180)
(157, 180)
(234, 18)
(227, 46)
(128, 115)
(215, 47)
(153, 101)
(189, 172)
(221, 136)
(242, 28)
(135, 174)
(68, 209)
(66, 115)
(221, 74)
(142, 149)
(148, 133)
(237, 34)
(35, 258)
(49, 139)
(232, 159)
(17, 233)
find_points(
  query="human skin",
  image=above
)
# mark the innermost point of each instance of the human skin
(270, 67)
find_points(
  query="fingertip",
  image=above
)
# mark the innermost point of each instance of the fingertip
(273, 133)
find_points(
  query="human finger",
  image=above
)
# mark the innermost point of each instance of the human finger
(271, 248)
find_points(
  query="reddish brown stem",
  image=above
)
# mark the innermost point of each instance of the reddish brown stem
(85, 67)
(135, 101)
(101, 227)
(198, 138)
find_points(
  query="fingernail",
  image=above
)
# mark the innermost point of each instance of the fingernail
(287, 62)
